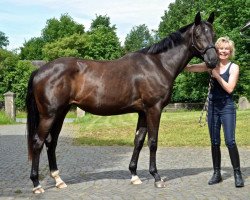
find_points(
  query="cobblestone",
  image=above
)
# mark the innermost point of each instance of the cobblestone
(102, 172)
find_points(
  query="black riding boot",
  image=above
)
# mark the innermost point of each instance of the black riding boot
(216, 157)
(235, 160)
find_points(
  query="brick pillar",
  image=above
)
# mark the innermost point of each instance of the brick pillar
(10, 108)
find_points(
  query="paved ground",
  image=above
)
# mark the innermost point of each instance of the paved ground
(102, 172)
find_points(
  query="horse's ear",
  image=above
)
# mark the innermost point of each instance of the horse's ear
(197, 20)
(211, 18)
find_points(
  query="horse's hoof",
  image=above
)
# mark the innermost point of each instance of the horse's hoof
(135, 180)
(61, 185)
(160, 184)
(38, 190)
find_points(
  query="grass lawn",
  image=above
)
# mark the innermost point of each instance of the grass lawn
(5, 119)
(178, 128)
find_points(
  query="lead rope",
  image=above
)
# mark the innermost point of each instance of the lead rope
(205, 107)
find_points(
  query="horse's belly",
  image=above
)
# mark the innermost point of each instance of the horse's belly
(110, 106)
(106, 110)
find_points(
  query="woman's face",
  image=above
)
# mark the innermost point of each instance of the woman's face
(224, 51)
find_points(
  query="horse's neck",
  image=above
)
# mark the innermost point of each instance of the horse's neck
(176, 59)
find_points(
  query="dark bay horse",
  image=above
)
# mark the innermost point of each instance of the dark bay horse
(139, 82)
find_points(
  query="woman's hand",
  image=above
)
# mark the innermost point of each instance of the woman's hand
(215, 74)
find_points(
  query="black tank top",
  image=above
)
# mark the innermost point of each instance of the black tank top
(217, 92)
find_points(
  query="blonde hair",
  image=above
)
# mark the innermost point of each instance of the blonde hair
(223, 40)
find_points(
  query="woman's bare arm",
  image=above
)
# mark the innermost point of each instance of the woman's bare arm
(201, 67)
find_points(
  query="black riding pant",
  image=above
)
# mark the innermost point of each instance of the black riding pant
(222, 112)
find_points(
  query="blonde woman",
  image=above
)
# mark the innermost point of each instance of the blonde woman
(221, 108)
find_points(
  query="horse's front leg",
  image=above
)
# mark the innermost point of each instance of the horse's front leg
(140, 135)
(153, 122)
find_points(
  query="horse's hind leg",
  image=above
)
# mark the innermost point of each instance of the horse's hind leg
(38, 142)
(140, 135)
(51, 143)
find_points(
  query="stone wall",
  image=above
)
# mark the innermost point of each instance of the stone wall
(185, 106)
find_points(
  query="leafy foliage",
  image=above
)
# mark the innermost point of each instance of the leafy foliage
(8, 61)
(54, 30)
(19, 79)
(32, 49)
(186, 91)
(103, 44)
(102, 41)
(138, 38)
(64, 37)
(3, 40)
(65, 26)
(101, 20)
(74, 45)
(14, 75)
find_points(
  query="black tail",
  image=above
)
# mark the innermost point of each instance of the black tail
(32, 115)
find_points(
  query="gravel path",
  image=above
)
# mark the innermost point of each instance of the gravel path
(102, 172)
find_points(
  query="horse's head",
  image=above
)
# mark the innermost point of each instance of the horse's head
(202, 36)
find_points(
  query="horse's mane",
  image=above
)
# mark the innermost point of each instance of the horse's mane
(169, 42)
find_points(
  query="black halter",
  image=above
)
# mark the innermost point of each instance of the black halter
(201, 51)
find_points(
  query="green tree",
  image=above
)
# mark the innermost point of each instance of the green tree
(14, 75)
(179, 14)
(4, 42)
(101, 20)
(8, 61)
(19, 79)
(138, 38)
(64, 27)
(32, 49)
(54, 30)
(102, 42)
(74, 45)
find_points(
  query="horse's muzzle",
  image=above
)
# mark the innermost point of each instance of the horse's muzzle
(212, 63)
(211, 58)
